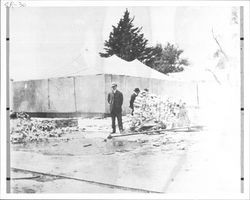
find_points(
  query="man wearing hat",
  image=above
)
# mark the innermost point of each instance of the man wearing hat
(132, 99)
(115, 99)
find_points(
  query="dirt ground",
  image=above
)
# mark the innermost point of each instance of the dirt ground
(146, 162)
(206, 161)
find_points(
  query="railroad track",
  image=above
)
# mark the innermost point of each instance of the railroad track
(139, 190)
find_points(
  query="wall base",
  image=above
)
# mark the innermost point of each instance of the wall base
(66, 114)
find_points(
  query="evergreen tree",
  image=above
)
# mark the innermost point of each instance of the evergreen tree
(167, 59)
(126, 41)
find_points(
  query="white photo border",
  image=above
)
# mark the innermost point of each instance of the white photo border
(4, 99)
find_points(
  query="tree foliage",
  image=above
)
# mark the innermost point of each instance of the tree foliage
(128, 43)
(168, 59)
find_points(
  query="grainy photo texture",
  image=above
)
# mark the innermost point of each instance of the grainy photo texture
(124, 99)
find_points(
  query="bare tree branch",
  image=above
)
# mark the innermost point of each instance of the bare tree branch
(217, 42)
(215, 77)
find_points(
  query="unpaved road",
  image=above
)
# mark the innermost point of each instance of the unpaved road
(146, 162)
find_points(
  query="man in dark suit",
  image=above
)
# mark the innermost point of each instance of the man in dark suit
(115, 99)
(132, 99)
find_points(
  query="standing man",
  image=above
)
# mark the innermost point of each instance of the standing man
(115, 99)
(132, 99)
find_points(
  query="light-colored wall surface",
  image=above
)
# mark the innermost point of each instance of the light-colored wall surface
(61, 95)
(30, 96)
(88, 94)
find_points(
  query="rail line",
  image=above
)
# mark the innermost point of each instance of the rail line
(84, 180)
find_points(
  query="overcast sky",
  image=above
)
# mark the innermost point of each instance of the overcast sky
(45, 40)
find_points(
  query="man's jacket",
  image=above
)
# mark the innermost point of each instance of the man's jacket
(132, 99)
(115, 100)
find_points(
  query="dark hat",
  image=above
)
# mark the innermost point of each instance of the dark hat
(137, 90)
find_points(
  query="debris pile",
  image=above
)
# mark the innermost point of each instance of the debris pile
(152, 112)
(25, 129)
(60, 123)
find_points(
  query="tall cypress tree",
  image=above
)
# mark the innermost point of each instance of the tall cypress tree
(126, 41)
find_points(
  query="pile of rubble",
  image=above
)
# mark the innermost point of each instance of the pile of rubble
(26, 129)
(152, 112)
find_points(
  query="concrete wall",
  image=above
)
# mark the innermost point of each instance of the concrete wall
(87, 95)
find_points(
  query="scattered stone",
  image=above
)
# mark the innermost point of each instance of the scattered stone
(141, 141)
(87, 145)
(152, 112)
(109, 137)
(25, 129)
(108, 153)
(122, 151)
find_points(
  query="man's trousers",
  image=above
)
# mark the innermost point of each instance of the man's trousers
(119, 118)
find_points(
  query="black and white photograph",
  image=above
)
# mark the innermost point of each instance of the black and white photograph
(124, 98)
